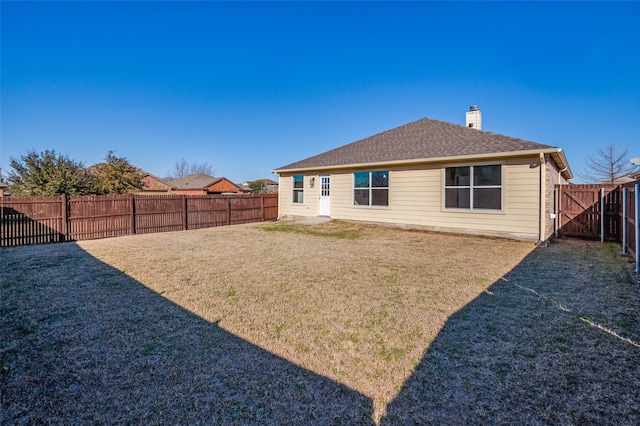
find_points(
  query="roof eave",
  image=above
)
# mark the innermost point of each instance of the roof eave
(563, 164)
(556, 153)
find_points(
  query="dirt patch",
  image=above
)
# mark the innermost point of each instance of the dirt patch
(331, 323)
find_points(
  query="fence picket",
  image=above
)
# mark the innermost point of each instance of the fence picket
(604, 211)
(36, 220)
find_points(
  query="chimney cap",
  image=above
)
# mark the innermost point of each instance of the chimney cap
(473, 108)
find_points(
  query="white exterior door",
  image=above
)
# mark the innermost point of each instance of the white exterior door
(324, 203)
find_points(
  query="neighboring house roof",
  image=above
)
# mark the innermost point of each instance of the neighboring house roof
(629, 177)
(426, 140)
(268, 186)
(198, 181)
(153, 183)
(268, 181)
(150, 183)
(264, 182)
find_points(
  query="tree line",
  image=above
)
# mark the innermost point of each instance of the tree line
(48, 173)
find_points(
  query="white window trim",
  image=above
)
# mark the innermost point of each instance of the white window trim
(471, 209)
(370, 206)
(294, 190)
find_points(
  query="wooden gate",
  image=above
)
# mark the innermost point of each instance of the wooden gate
(589, 211)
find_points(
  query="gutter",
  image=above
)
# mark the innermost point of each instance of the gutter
(560, 172)
(562, 163)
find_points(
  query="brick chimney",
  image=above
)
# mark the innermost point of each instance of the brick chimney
(474, 118)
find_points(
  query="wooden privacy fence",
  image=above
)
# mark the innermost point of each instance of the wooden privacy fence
(589, 211)
(630, 223)
(37, 220)
(603, 211)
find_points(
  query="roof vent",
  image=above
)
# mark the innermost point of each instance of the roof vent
(474, 118)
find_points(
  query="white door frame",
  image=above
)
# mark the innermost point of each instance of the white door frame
(324, 196)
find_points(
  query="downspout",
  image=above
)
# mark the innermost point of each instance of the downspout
(560, 172)
(556, 221)
(543, 197)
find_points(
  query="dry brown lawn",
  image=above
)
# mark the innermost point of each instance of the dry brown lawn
(333, 323)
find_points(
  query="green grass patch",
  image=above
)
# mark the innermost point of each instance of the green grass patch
(340, 232)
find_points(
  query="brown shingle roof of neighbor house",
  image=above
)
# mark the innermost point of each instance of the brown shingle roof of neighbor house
(145, 174)
(197, 181)
(424, 139)
(629, 177)
(152, 183)
(265, 181)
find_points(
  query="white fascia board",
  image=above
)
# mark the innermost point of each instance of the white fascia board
(458, 158)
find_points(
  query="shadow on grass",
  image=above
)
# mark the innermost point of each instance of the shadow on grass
(30, 224)
(535, 348)
(85, 343)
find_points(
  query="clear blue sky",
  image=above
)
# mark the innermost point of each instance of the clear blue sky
(249, 87)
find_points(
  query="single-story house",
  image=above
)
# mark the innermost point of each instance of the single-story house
(431, 174)
(153, 185)
(150, 184)
(3, 187)
(269, 186)
(628, 178)
(201, 184)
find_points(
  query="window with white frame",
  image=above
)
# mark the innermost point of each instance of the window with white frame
(371, 188)
(473, 187)
(298, 189)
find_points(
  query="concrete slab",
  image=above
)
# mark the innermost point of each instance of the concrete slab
(314, 220)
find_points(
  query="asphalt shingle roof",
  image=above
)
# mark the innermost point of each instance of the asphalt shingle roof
(196, 181)
(421, 139)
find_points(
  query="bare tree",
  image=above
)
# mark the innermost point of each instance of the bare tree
(609, 164)
(180, 169)
(183, 168)
(204, 168)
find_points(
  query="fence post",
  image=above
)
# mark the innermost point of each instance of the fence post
(262, 207)
(132, 215)
(65, 217)
(624, 220)
(637, 226)
(185, 224)
(602, 215)
(228, 210)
